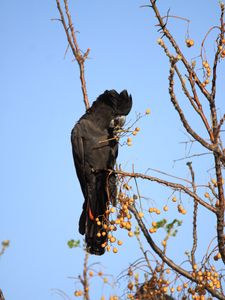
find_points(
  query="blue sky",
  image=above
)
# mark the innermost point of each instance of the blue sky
(40, 102)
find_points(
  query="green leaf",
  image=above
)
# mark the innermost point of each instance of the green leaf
(73, 244)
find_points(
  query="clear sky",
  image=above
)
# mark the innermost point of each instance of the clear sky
(41, 100)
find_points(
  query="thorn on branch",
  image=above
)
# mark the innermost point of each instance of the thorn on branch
(56, 19)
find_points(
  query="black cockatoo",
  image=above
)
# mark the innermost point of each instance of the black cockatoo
(94, 151)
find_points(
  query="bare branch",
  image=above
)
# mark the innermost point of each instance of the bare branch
(181, 114)
(175, 186)
(177, 49)
(216, 59)
(71, 37)
(194, 247)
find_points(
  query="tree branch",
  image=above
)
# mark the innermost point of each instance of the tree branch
(195, 238)
(175, 186)
(167, 260)
(71, 37)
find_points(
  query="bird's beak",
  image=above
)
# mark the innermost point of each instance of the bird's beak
(117, 122)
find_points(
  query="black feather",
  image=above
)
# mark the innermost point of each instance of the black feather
(95, 151)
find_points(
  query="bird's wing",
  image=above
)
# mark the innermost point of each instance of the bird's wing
(78, 156)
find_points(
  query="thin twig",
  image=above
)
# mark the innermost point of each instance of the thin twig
(191, 156)
(85, 278)
(143, 251)
(167, 174)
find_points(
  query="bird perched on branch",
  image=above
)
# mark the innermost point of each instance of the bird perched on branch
(95, 149)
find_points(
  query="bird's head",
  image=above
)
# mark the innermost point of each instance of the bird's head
(120, 103)
(110, 109)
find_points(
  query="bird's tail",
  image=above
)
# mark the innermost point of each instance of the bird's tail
(94, 219)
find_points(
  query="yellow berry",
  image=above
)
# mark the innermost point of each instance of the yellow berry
(148, 111)
(195, 267)
(130, 286)
(137, 129)
(174, 199)
(207, 195)
(164, 243)
(115, 250)
(217, 256)
(112, 239)
(130, 233)
(119, 242)
(140, 214)
(78, 293)
(165, 208)
(189, 43)
(217, 203)
(128, 226)
(112, 210)
(91, 273)
(205, 64)
(214, 182)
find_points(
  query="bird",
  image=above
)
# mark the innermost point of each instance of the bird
(95, 150)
